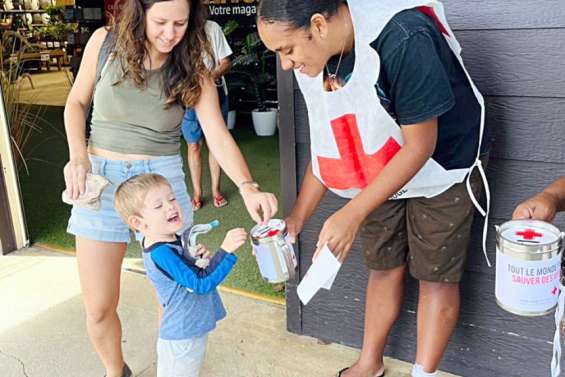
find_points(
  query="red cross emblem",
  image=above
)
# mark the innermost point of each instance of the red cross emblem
(429, 11)
(354, 168)
(529, 234)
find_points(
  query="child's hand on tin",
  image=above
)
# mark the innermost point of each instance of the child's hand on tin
(234, 239)
(201, 252)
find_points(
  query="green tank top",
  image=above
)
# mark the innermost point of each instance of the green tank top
(127, 119)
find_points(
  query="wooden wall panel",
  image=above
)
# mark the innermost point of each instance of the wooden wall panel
(504, 14)
(525, 63)
(527, 129)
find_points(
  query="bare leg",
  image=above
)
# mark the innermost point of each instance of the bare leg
(195, 167)
(384, 299)
(215, 173)
(99, 266)
(438, 310)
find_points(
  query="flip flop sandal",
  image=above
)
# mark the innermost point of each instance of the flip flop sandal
(196, 204)
(220, 201)
(346, 368)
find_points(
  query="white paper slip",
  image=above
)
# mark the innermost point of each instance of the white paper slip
(321, 274)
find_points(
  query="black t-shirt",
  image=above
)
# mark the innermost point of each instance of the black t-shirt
(421, 79)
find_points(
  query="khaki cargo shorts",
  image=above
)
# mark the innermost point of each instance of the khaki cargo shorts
(431, 235)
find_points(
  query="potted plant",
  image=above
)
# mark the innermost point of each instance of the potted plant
(251, 65)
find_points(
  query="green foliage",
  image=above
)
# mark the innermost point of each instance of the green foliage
(24, 119)
(56, 31)
(251, 64)
(230, 27)
(55, 11)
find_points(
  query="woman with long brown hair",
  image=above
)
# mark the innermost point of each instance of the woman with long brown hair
(155, 70)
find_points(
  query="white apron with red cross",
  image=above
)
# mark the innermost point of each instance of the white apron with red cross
(352, 135)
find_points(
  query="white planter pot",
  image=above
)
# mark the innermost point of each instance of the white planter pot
(231, 119)
(264, 122)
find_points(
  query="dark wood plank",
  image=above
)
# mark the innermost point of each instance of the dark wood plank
(301, 118)
(289, 189)
(531, 129)
(516, 62)
(504, 14)
(285, 84)
(514, 181)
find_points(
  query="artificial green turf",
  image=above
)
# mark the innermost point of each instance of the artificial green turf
(47, 215)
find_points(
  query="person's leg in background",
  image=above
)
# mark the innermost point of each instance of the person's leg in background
(215, 171)
(193, 136)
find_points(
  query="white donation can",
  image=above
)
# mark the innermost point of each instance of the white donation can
(274, 253)
(528, 260)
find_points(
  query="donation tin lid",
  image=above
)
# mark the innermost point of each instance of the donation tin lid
(273, 228)
(530, 232)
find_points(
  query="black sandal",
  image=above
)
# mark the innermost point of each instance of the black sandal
(126, 372)
(346, 368)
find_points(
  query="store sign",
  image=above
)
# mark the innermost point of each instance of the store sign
(242, 11)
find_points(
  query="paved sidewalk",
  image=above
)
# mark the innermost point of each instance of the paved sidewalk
(42, 332)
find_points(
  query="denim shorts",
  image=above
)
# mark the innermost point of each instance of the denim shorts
(181, 358)
(190, 127)
(105, 224)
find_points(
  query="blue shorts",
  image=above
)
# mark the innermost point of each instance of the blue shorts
(190, 126)
(105, 224)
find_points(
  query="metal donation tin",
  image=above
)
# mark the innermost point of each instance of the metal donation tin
(528, 258)
(274, 253)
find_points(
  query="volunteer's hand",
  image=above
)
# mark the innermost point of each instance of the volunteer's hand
(75, 176)
(234, 239)
(338, 233)
(294, 226)
(542, 206)
(260, 205)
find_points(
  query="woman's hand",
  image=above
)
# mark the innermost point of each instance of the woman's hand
(260, 205)
(542, 206)
(338, 233)
(75, 176)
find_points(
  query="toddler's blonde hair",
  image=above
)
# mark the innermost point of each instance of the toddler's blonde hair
(130, 194)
